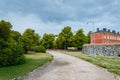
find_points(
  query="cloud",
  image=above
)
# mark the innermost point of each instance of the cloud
(61, 10)
(51, 16)
(21, 22)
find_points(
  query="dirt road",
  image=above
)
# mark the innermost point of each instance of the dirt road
(65, 67)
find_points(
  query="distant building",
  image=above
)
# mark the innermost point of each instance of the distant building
(105, 36)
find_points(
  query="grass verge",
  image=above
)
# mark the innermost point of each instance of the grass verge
(33, 61)
(111, 63)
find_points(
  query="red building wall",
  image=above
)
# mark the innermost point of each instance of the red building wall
(105, 38)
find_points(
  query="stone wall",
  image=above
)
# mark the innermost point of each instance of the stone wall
(103, 49)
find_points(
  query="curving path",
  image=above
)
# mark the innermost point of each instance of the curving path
(65, 67)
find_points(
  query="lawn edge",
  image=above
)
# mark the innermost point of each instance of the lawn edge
(31, 72)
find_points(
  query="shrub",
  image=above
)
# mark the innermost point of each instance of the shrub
(40, 49)
(12, 54)
(11, 49)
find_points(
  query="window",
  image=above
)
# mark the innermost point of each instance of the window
(112, 37)
(104, 36)
(107, 37)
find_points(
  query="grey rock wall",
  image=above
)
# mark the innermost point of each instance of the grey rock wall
(104, 49)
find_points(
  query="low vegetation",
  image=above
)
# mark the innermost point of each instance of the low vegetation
(40, 49)
(109, 62)
(33, 60)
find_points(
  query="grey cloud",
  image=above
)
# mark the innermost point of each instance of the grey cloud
(60, 12)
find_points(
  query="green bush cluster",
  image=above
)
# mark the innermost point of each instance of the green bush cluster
(40, 49)
(11, 48)
(11, 53)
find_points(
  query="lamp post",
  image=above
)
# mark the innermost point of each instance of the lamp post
(94, 52)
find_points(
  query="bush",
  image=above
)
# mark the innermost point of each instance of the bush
(40, 49)
(11, 49)
(12, 54)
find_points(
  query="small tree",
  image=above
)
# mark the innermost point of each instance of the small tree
(64, 39)
(80, 39)
(48, 40)
(28, 39)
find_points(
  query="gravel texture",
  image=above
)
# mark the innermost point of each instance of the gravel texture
(65, 67)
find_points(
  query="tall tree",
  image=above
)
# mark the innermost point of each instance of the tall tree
(48, 40)
(80, 39)
(16, 35)
(28, 38)
(64, 39)
(11, 51)
(5, 29)
(36, 39)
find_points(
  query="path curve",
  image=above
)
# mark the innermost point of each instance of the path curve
(65, 67)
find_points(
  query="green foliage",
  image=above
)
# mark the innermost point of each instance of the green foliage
(33, 61)
(5, 29)
(65, 38)
(16, 35)
(80, 39)
(30, 39)
(2, 43)
(40, 49)
(12, 54)
(48, 40)
(11, 50)
(36, 39)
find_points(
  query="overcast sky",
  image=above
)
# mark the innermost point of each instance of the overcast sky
(50, 16)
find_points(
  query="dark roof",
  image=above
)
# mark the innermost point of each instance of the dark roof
(106, 30)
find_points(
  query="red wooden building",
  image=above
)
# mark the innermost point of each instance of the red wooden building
(105, 36)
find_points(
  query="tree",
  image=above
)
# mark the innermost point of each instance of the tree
(48, 40)
(16, 35)
(36, 39)
(64, 39)
(28, 38)
(80, 39)
(11, 51)
(89, 36)
(5, 29)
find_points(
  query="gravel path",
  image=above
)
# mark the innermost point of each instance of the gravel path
(65, 67)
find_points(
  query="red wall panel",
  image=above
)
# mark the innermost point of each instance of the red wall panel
(105, 38)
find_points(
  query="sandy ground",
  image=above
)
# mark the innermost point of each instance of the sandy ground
(65, 67)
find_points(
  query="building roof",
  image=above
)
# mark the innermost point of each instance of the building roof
(106, 30)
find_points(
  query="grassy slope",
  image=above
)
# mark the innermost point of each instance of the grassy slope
(32, 61)
(108, 62)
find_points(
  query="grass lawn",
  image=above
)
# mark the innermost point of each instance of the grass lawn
(33, 61)
(108, 62)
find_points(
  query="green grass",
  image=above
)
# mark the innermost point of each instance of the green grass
(33, 61)
(112, 64)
